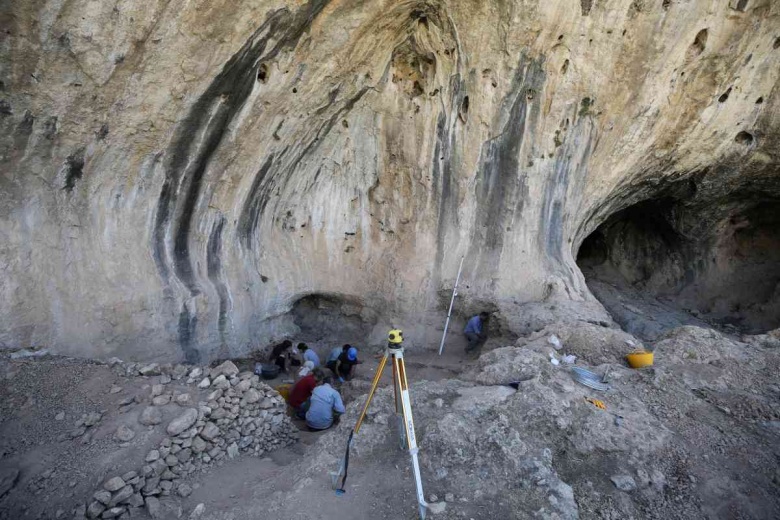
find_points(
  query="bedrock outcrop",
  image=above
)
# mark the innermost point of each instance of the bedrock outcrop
(178, 178)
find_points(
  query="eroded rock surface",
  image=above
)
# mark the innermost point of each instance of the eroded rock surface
(176, 177)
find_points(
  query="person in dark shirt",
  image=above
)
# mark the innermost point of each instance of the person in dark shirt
(278, 355)
(301, 392)
(342, 366)
(476, 332)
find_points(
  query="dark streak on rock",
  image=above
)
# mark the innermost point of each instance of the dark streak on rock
(578, 144)
(214, 269)
(251, 213)
(25, 126)
(441, 170)
(187, 326)
(199, 135)
(501, 187)
(23, 131)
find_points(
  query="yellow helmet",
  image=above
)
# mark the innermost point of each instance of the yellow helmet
(395, 336)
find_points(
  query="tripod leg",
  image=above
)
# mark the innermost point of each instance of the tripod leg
(399, 415)
(345, 461)
(374, 385)
(406, 407)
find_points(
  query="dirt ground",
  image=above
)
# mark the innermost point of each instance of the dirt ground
(704, 424)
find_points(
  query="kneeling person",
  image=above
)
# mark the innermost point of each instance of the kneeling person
(324, 408)
(301, 392)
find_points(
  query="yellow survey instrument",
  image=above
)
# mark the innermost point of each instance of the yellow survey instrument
(395, 336)
(403, 409)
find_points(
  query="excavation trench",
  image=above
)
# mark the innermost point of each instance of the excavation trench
(668, 261)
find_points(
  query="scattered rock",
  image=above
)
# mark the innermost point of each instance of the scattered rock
(152, 456)
(114, 484)
(121, 496)
(657, 480)
(437, 508)
(115, 389)
(183, 399)
(184, 490)
(221, 382)
(161, 400)
(113, 512)
(136, 500)
(182, 422)
(198, 511)
(252, 396)
(205, 383)
(102, 496)
(210, 431)
(232, 450)
(228, 369)
(198, 444)
(95, 509)
(152, 369)
(150, 416)
(124, 434)
(60, 416)
(624, 482)
(153, 507)
(91, 419)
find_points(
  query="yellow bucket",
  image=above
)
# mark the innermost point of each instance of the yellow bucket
(639, 359)
(284, 391)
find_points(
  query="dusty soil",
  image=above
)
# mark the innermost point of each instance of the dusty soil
(700, 438)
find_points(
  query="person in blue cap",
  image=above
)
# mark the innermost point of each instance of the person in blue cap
(342, 366)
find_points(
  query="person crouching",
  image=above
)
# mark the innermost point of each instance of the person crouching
(325, 407)
(301, 392)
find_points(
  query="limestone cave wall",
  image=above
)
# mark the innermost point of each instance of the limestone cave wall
(177, 179)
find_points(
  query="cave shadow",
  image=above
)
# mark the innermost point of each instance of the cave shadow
(662, 263)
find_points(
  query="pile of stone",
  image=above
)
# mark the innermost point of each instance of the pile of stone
(239, 414)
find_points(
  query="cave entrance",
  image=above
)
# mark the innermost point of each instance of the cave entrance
(662, 263)
(332, 320)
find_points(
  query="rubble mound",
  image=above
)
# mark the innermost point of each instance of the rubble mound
(164, 424)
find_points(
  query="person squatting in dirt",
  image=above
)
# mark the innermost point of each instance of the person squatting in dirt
(342, 361)
(476, 332)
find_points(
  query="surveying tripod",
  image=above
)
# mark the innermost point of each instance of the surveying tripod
(403, 410)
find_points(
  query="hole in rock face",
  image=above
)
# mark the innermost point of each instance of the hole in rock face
(700, 42)
(744, 138)
(74, 169)
(676, 263)
(262, 73)
(565, 66)
(333, 319)
(723, 97)
(741, 5)
(759, 101)
(464, 109)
